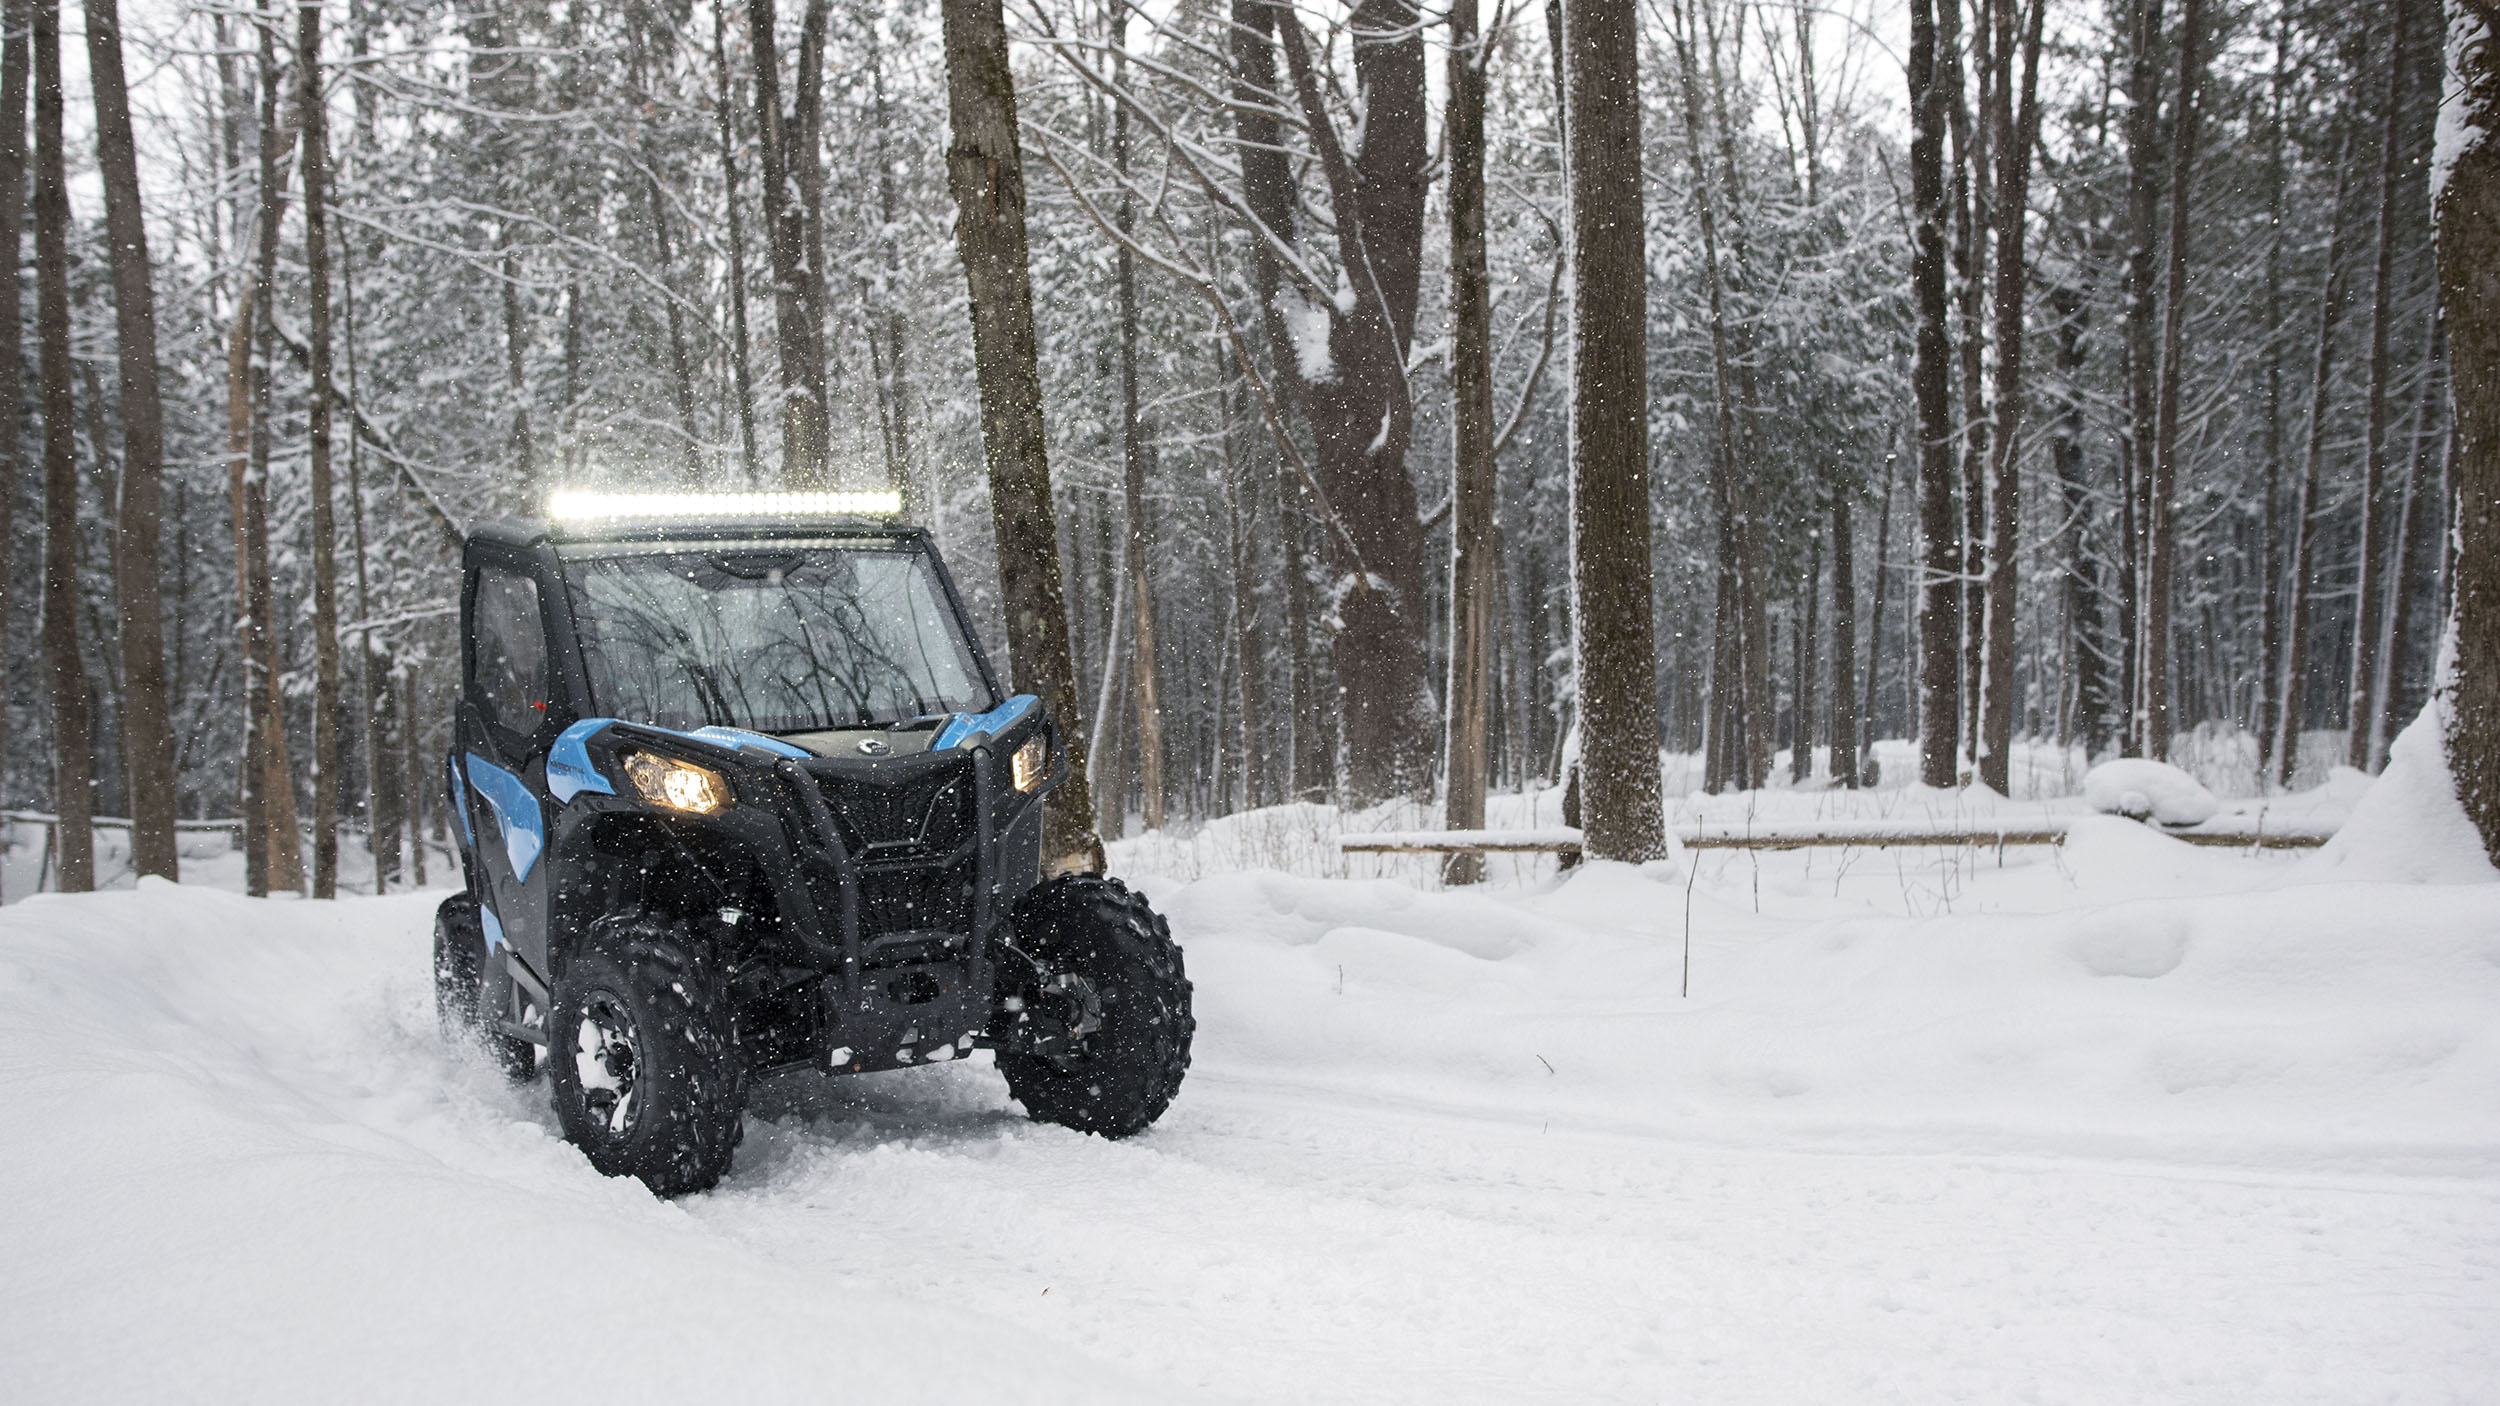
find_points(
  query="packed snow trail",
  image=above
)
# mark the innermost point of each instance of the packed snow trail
(2161, 1124)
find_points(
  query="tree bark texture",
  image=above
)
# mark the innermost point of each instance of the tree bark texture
(2362, 715)
(326, 716)
(2144, 175)
(1135, 454)
(740, 367)
(1610, 557)
(73, 736)
(1470, 701)
(2015, 119)
(1362, 414)
(2467, 212)
(1844, 645)
(147, 726)
(986, 174)
(1939, 589)
(13, 20)
(2160, 540)
(803, 410)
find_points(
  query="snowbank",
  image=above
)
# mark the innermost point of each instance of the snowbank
(2409, 827)
(2141, 787)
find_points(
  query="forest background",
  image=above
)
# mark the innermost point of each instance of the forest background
(2061, 370)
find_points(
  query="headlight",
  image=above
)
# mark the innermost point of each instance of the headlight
(1030, 763)
(677, 785)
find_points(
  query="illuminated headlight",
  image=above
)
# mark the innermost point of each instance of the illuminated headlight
(698, 790)
(1029, 764)
(577, 505)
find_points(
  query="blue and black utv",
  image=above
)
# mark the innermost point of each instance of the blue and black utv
(737, 792)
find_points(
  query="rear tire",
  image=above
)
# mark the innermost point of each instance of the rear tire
(460, 989)
(1116, 1080)
(643, 1056)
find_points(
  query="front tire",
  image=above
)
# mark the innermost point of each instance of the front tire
(1105, 960)
(460, 989)
(643, 1056)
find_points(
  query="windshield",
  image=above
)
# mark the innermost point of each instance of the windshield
(769, 636)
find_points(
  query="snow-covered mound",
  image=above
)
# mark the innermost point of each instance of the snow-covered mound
(2144, 788)
(2409, 826)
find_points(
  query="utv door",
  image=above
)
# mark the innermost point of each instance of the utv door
(504, 728)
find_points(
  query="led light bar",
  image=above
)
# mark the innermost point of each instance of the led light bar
(578, 505)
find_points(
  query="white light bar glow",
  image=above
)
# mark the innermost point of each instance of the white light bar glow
(584, 505)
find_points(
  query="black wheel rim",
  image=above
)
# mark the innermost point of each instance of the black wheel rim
(607, 1056)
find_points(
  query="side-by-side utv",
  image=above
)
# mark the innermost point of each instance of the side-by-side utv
(737, 792)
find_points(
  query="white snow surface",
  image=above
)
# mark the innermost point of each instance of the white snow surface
(2140, 786)
(2122, 1120)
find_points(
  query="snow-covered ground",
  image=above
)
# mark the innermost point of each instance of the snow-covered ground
(2117, 1121)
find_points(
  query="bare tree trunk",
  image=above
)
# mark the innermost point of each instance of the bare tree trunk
(1971, 218)
(147, 726)
(419, 779)
(803, 410)
(740, 366)
(1241, 525)
(1875, 630)
(1801, 749)
(2305, 513)
(2143, 137)
(1362, 416)
(2089, 662)
(324, 527)
(893, 380)
(1134, 453)
(73, 741)
(1939, 590)
(986, 173)
(2016, 121)
(2270, 529)
(1844, 645)
(2158, 537)
(1469, 707)
(14, 20)
(1616, 648)
(2362, 715)
(383, 796)
(2467, 211)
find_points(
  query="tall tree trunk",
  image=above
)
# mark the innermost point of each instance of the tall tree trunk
(1362, 415)
(1807, 628)
(1844, 645)
(14, 20)
(2089, 660)
(893, 380)
(2305, 511)
(418, 773)
(73, 739)
(1616, 648)
(383, 796)
(2270, 529)
(326, 712)
(2144, 174)
(2016, 121)
(1469, 708)
(1939, 590)
(147, 724)
(1241, 518)
(2158, 536)
(2466, 208)
(740, 366)
(1134, 454)
(1971, 220)
(2362, 715)
(986, 173)
(804, 422)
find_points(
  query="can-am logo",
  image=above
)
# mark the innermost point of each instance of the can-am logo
(873, 747)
